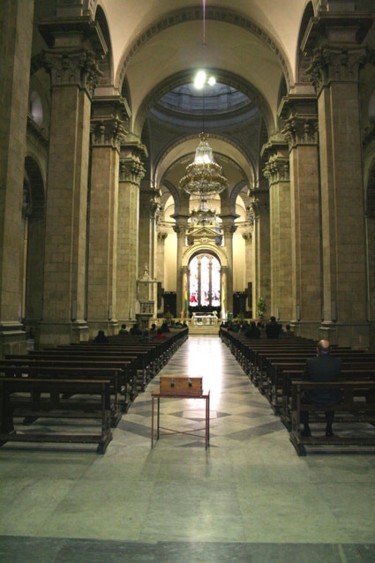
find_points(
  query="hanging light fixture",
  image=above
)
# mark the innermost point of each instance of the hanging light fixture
(204, 175)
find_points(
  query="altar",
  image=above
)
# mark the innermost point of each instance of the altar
(205, 319)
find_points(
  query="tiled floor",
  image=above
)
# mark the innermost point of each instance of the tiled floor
(248, 498)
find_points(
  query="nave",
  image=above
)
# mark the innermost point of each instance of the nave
(249, 497)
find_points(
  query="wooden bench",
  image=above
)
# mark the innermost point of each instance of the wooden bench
(127, 374)
(357, 406)
(39, 397)
(30, 370)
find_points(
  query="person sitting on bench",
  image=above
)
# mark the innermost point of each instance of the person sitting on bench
(324, 367)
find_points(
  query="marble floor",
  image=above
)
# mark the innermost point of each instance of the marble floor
(247, 498)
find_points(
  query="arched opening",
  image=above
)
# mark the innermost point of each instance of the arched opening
(204, 284)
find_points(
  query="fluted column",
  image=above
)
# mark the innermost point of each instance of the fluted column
(108, 116)
(149, 211)
(301, 130)
(249, 266)
(132, 171)
(72, 66)
(277, 173)
(334, 72)
(14, 91)
(229, 228)
(180, 229)
(262, 256)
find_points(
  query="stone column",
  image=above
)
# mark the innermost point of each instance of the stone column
(248, 238)
(276, 171)
(301, 130)
(229, 228)
(132, 171)
(149, 208)
(73, 70)
(262, 255)
(14, 91)
(180, 229)
(108, 116)
(334, 71)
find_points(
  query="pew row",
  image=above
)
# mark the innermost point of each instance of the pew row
(356, 407)
(55, 399)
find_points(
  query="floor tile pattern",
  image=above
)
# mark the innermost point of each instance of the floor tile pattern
(248, 497)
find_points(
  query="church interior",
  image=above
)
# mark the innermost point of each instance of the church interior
(191, 162)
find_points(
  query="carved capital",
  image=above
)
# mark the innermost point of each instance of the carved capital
(133, 152)
(259, 202)
(131, 170)
(247, 236)
(301, 131)
(277, 169)
(73, 68)
(335, 64)
(107, 133)
(162, 235)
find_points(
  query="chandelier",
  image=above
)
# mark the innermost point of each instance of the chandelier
(204, 175)
(203, 215)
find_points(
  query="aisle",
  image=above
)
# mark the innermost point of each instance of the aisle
(249, 497)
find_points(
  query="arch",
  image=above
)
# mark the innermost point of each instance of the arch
(304, 60)
(209, 248)
(212, 13)
(105, 63)
(226, 77)
(34, 241)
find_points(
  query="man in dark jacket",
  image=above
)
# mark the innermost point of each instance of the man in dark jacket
(324, 367)
(273, 328)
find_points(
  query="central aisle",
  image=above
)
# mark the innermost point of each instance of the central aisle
(247, 498)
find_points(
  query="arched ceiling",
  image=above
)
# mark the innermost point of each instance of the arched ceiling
(157, 47)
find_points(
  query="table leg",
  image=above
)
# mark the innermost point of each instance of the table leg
(158, 420)
(207, 421)
(152, 422)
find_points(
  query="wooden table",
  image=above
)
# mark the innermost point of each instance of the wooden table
(157, 395)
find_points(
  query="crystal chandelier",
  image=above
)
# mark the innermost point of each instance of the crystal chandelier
(203, 215)
(203, 176)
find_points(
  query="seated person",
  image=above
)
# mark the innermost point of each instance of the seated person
(164, 328)
(324, 367)
(135, 330)
(101, 338)
(252, 331)
(273, 328)
(123, 329)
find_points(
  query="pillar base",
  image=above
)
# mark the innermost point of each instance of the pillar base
(356, 335)
(53, 334)
(12, 338)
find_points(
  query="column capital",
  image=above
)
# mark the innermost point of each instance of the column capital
(259, 202)
(276, 169)
(133, 152)
(300, 117)
(76, 44)
(276, 158)
(332, 45)
(227, 223)
(109, 115)
(336, 64)
(182, 222)
(73, 68)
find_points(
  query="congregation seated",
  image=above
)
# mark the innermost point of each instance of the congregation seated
(252, 331)
(123, 329)
(135, 330)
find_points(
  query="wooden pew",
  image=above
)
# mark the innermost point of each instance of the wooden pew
(357, 406)
(127, 369)
(30, 370)
(39, 397)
